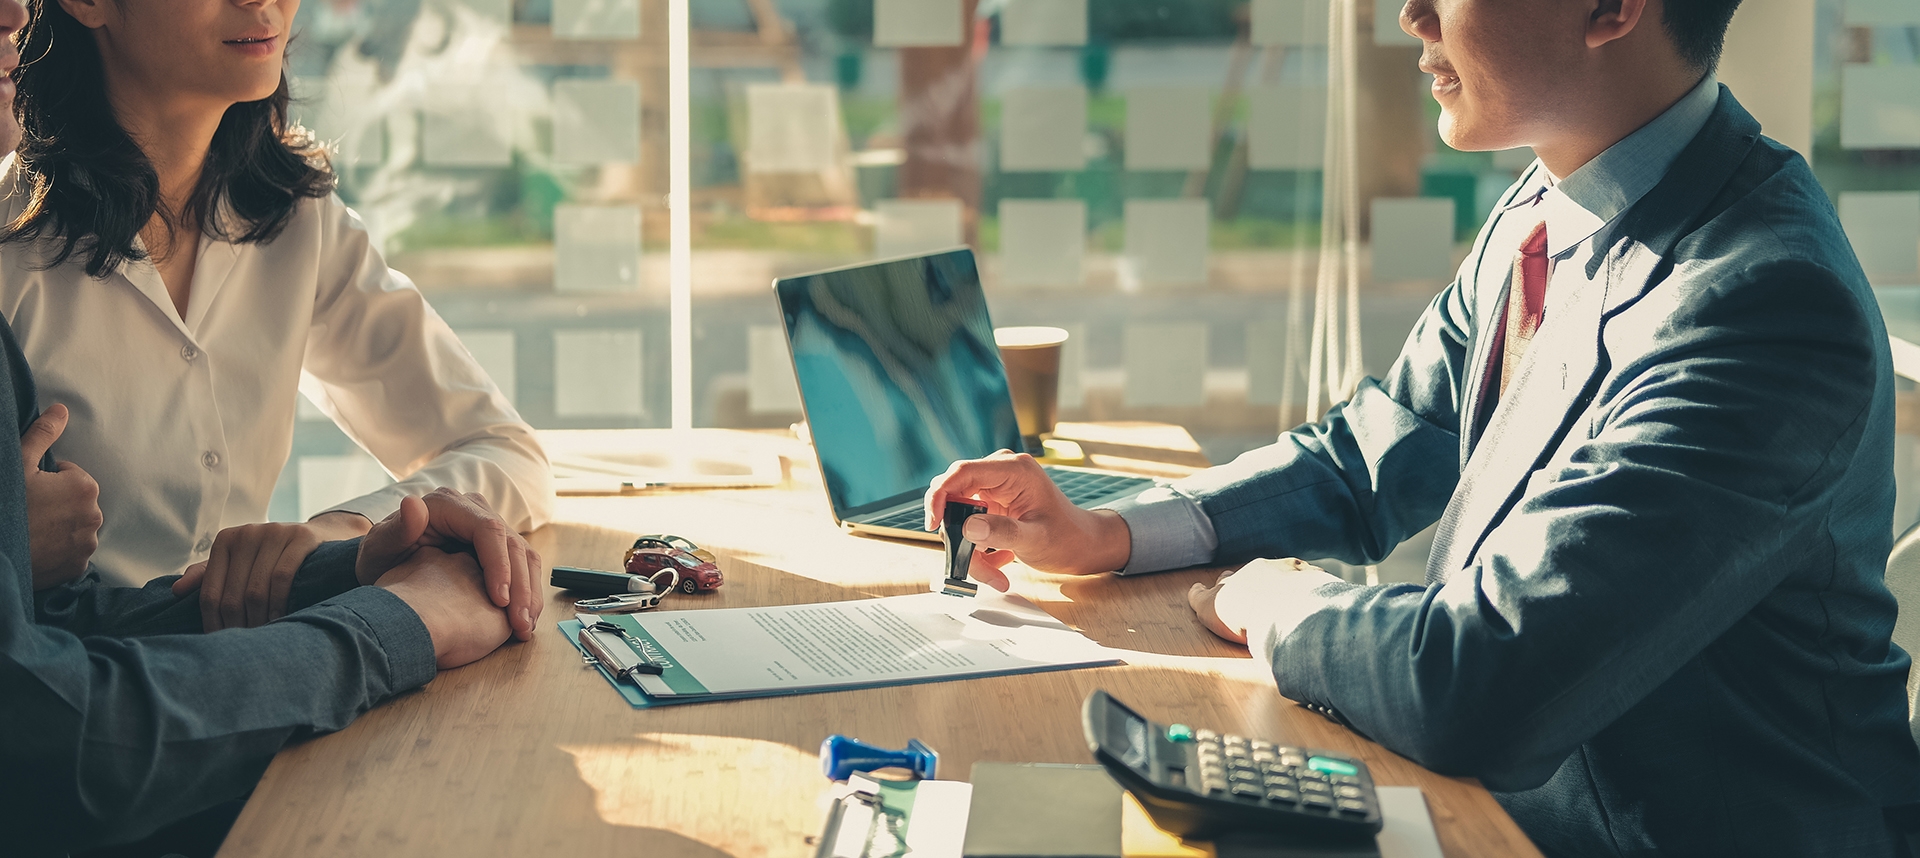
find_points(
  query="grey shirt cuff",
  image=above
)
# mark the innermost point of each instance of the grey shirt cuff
(1168, 530)
(402, 636)
(327, 572)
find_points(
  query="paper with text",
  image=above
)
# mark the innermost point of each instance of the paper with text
(838, 645)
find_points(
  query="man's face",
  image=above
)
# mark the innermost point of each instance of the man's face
(13, 16)
(1504, 70)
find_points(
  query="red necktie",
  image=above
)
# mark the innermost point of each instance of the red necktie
(1526, 303)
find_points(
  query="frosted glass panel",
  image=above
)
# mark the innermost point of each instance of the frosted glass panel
(1168, 128)
(326, 109)
(1880, 107)
(1043, 128)
(1267, 362)
(1044, 22)
(1286, 127)
(326, 481)
(596, 373)
(1042, 242)
(770, 385)
(792, 128)
(1073, 367)
(1884, 227)
(492, 11)
(1412, 238)
(1166, 242)
(1386, 24)
(1166, 363)
(305, 408)
(903, 227)
(596, 122)
(596, 19)
(494, 352)
(596, 248)
(917, 23)
(1290, 22)
(1513, 159)
(1768, 65)
(1883, 13)
(454, 134)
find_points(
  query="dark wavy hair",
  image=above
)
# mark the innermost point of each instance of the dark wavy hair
(91, 188)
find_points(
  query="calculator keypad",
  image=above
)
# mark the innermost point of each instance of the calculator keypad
(1256, 772)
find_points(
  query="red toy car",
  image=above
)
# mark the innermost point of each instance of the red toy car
(668, 540)
(696, 575)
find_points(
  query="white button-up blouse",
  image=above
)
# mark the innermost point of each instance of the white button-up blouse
(187, 423)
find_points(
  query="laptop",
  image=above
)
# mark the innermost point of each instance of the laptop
(900, 378)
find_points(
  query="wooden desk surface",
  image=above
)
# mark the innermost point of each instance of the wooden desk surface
(529, 753)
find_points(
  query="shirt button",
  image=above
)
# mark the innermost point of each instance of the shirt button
(210, 459)
(188, 353)
(204, 544)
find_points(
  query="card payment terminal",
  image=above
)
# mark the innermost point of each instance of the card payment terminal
(1198, 783)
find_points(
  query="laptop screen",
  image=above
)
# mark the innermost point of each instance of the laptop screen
(898, 374)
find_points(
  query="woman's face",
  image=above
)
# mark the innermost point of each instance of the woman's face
(224, 51)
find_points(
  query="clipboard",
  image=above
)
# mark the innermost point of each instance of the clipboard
(606, 646)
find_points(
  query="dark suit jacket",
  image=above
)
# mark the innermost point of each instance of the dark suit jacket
(117, 716)
(1657, 623)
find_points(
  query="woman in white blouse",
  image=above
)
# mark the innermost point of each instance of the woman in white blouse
(161, 201)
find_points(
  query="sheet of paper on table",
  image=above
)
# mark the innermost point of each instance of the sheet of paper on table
(615, 461)
(732, 653)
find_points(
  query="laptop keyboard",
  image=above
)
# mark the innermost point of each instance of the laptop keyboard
(1083, 486)
(911, 518)
(1080, 487)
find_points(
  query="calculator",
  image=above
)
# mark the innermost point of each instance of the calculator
(1198, 783)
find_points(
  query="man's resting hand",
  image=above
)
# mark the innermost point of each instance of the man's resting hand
(449, 521)
(446, 591)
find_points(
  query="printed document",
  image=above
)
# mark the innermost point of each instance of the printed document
(784, 649)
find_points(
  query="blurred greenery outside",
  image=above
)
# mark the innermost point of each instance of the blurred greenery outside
(1272, 209)
(514, 205)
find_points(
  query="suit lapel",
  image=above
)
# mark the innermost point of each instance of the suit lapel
(1565, 363)
(1554, 378)
(1488, 304)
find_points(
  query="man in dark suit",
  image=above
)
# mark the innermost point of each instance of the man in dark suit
(1653, 417)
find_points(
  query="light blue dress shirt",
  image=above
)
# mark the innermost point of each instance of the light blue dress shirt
(1169, 529)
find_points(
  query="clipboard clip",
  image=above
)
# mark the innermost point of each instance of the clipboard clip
(622, 657)
(860, 824)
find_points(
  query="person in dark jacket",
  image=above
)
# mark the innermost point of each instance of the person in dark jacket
(1653, 419)
(120, 717)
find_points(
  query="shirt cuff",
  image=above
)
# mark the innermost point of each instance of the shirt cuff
(328, 571)
(402, 636)
(375, 506)
(1167, 528)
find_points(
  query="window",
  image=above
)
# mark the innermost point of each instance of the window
(1147, 174)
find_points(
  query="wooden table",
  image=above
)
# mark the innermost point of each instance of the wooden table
(529, 753)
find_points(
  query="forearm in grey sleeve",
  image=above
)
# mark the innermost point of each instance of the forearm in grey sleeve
(106, 739)
(1167, 530)
(90, 606)
(1376, 470)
